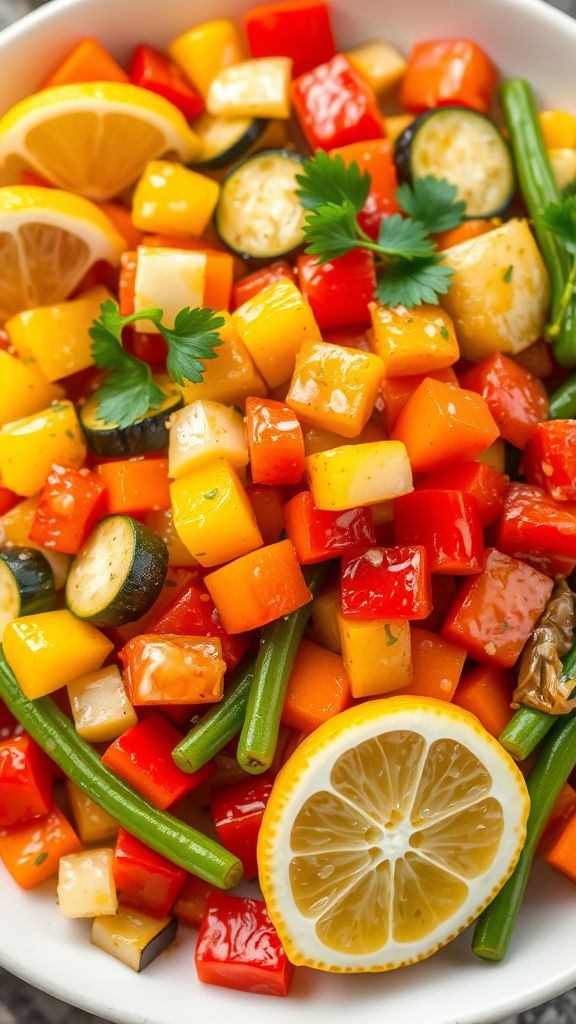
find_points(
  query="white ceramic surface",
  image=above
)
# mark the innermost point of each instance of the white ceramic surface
(524, 37)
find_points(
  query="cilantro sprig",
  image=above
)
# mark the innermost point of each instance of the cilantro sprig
(560, 220)
(410, 270)
(129, 390)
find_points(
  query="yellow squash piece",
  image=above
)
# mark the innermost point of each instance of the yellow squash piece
(377, 655)
(49, 650)
(413, 341)
(86, 886)
(57, 336)
(202, 432)
(29, 446)
(359, 474)
(24, 390)
(170, 279)
(100, 705)
(253, 88)
(15, 528)
(334, 387)
(558, 129)
(273, 326)
(172, 200)
(324, 612)
(93, 825)
(203, 51)
(231, 377)
(379, 64)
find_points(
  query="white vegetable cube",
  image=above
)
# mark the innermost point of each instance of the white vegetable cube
(86, 884)
(170, 279)
(133, 938)
(379, 64)
(100, 705)
(93, 824)
(252, 88)
(359, 474)
(204, 431)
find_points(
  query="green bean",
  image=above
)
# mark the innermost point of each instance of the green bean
(54, 732)
(215, 729)
(562, 401)
(528, 727)
(278, 648)
(539, 187)
(553, 767)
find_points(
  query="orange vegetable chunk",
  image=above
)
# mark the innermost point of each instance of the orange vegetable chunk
(486, 691)
(436, 665)
(31, 852)
(318, 688)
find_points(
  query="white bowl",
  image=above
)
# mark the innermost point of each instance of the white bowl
(524, 37)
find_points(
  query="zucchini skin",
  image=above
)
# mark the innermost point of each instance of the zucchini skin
(149, 434)
(34, 579)
(237, 150)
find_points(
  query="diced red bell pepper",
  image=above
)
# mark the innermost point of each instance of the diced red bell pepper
(516, 399)
(449, 72)
(480, 481)
(7, 499)
(191, 903)
(71, 502)
(25, 781)
(144, 879)
(275, 442)
(238, 947)
(152, 70)
(164, 669)
(142, 757)
(193, 613)
(247, 287)
(151, 348)
(127, 283)
(376, 156)
(395, 392)
(9, 726)
(550, 459)
(538, 530)
(319, 536)
(268, 505)
(338, 291)
(386, 583)
(495, 612)
(335, 106)
(299, 29)
(444, 590)
(447, 524)
(237, 813)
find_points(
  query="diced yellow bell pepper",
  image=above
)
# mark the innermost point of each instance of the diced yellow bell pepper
(169, 278)
(324, 612)
(86, 886)
(172, 200)
(213, 514)
(335, 387)
(494, 456)
(396, 124)
(28, 447)
(273, 326)
(100, 705)
(413, 341)
(253, 88)
(379, 64)
(558, 129)
(377, 655)
(506, 265)
(24, 390)
(232, 376)
(14, 533)
(51, 649)
(93, 825)
(359, 474)
(162, 522)
(202, 432)
(318, 440)
(204, 50)
(57, 336)
(563, 163)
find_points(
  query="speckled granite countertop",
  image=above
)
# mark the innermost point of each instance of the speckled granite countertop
(22, 1004)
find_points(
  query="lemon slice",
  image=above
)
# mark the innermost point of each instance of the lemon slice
(94, 138)
(388, 831)
(48, 240)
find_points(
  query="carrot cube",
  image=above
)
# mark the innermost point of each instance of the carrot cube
(486, 691)
(318, 688)
(436, 666)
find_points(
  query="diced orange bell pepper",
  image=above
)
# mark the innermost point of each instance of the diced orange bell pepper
(275, 442)
(334, 387)
(87, 62)
(268, 505)
(136, 485)
(441, 423)
(516, 399)
(121, 218)
(413, 341)
(464, 233)
(376, 157)
(436, 666)
(395, 392)
(486, 691)
(251, 284)
(258, 588)
(448, 72)
(560, 814)
(562, 853)
(31, 853)
(318, 688)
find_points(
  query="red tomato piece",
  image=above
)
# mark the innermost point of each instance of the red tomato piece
(247, 287)
(335, 106)
(483, 483)
(237, 814)
(152, 70)
(299, 29)
(190, 905)
(193, 613)
(268, 505)
(386, 583)
(550, 459)
(71, 502)
(238, 947)
(275, 442)
(142, 757)
(516, 399)
(144, 879)
(319, 536)
(25, 781)
(495, 612)
(375, 156)
(538, 530)
(447, 524)
(448, 72)
(338, 291)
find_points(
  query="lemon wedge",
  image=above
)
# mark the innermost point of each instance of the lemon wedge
(388, 831)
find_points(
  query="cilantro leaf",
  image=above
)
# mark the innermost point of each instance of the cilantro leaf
(404, 237)
(410, 284)
(192, 339)
(326, 179)
(560, 219)
(129, 390)
(331, 231)
(432, 202)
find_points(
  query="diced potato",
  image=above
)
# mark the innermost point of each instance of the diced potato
(229, 378)
(57, 336)
(377, 655)
(359, 474)
(173, 200)
(558, 129)
(334, 387)
(100, 705)
(499, 295)
(28, 447)
(413, 341)
(170, 279)
(379, 64)
(324, 612)
(133, 938)
(93, 824)
(49, 650)
(23, 389)
(564, 165)
(494, 456)
(86, 884)
(14, 530)
(204, 431)
(252, 88)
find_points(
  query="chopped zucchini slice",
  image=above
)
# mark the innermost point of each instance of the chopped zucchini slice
(26, 584)
(226, 139)
(147, 434)
(117, 574)
(134, 938)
